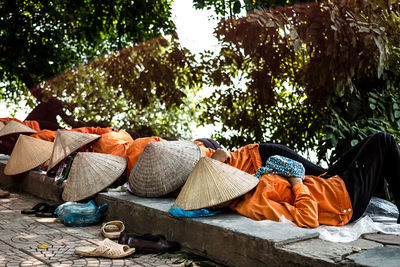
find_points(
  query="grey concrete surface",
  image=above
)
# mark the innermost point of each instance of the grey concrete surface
(228, 239)
(20, 236)
(34, 182)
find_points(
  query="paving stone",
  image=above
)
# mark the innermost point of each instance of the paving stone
(320, 249)
(11, 256)
(383, 238)
(363, 244)
(380, 257)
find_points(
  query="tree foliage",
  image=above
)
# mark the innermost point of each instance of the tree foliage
(40, 40)
(142, 88)
(315, 76)
(231, 8)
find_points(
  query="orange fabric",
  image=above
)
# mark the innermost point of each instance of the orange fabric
(137, 147)
(246, 158)
(46, 135)
(115, 143)
(31, 124)
(92, 130)
(49, 135)
(316, 201)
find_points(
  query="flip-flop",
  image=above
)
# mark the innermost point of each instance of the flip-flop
(106, 249)
(46, 212)
(34, 209)
(112, 229)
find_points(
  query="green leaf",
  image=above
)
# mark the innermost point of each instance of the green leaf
(236, 7)
(354, 142)
(397, 114)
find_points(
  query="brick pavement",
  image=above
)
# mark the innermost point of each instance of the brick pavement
(20, 236)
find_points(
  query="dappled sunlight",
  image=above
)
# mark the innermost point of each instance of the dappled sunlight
(46, 220)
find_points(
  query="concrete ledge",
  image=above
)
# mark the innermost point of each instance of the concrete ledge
(228, 238)
(33, 182)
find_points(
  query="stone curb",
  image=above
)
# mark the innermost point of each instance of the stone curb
(228, 239)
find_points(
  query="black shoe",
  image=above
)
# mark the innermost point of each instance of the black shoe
(148, 243)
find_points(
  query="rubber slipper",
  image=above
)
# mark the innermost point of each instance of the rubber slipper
(47, 211)
(106, 249)
(34, 209)
(112, 229)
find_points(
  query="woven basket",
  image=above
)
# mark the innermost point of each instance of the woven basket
(14, 127)
(212, 183)
(91, 173)
(28, 153)
(66, 143)
(163, 167)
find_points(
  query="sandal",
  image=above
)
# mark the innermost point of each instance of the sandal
(46, 212)
(34, 209)
(112, 229)
(106, 249)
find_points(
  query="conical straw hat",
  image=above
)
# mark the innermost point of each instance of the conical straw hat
(13, 127)
(213, 182)
(163, 167)
(91, 173)
(28, 153)
(2, 125)
(66, 143)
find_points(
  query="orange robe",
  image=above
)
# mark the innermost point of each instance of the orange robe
(116, 143)
(137, 147)
(316, 201)
(49, 135)
(246, 158)
(31, 124)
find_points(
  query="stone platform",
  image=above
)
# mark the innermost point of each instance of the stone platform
(229, 238)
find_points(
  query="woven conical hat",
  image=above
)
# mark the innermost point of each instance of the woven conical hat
(213, 182)
(13, 127)
(66, 143)
(91, 173)
(28, 153)
(2, 125)
(163, 167)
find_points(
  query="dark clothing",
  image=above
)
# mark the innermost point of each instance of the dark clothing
(267, 150)
(364, 168)
(46, 115)
(209, 143)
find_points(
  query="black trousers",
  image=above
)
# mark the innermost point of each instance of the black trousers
(266, 150)
(365, 166)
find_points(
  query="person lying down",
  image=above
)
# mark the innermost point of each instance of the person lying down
(337, 197)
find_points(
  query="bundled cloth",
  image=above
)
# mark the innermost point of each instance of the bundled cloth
(282, 166)
(181, 213)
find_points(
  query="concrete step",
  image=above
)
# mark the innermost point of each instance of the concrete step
(228, 238)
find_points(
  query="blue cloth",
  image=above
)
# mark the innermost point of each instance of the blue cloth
(282, 166)
(181, 213)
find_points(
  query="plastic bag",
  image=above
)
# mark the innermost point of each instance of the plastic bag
(80, 214)
(378, 206)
